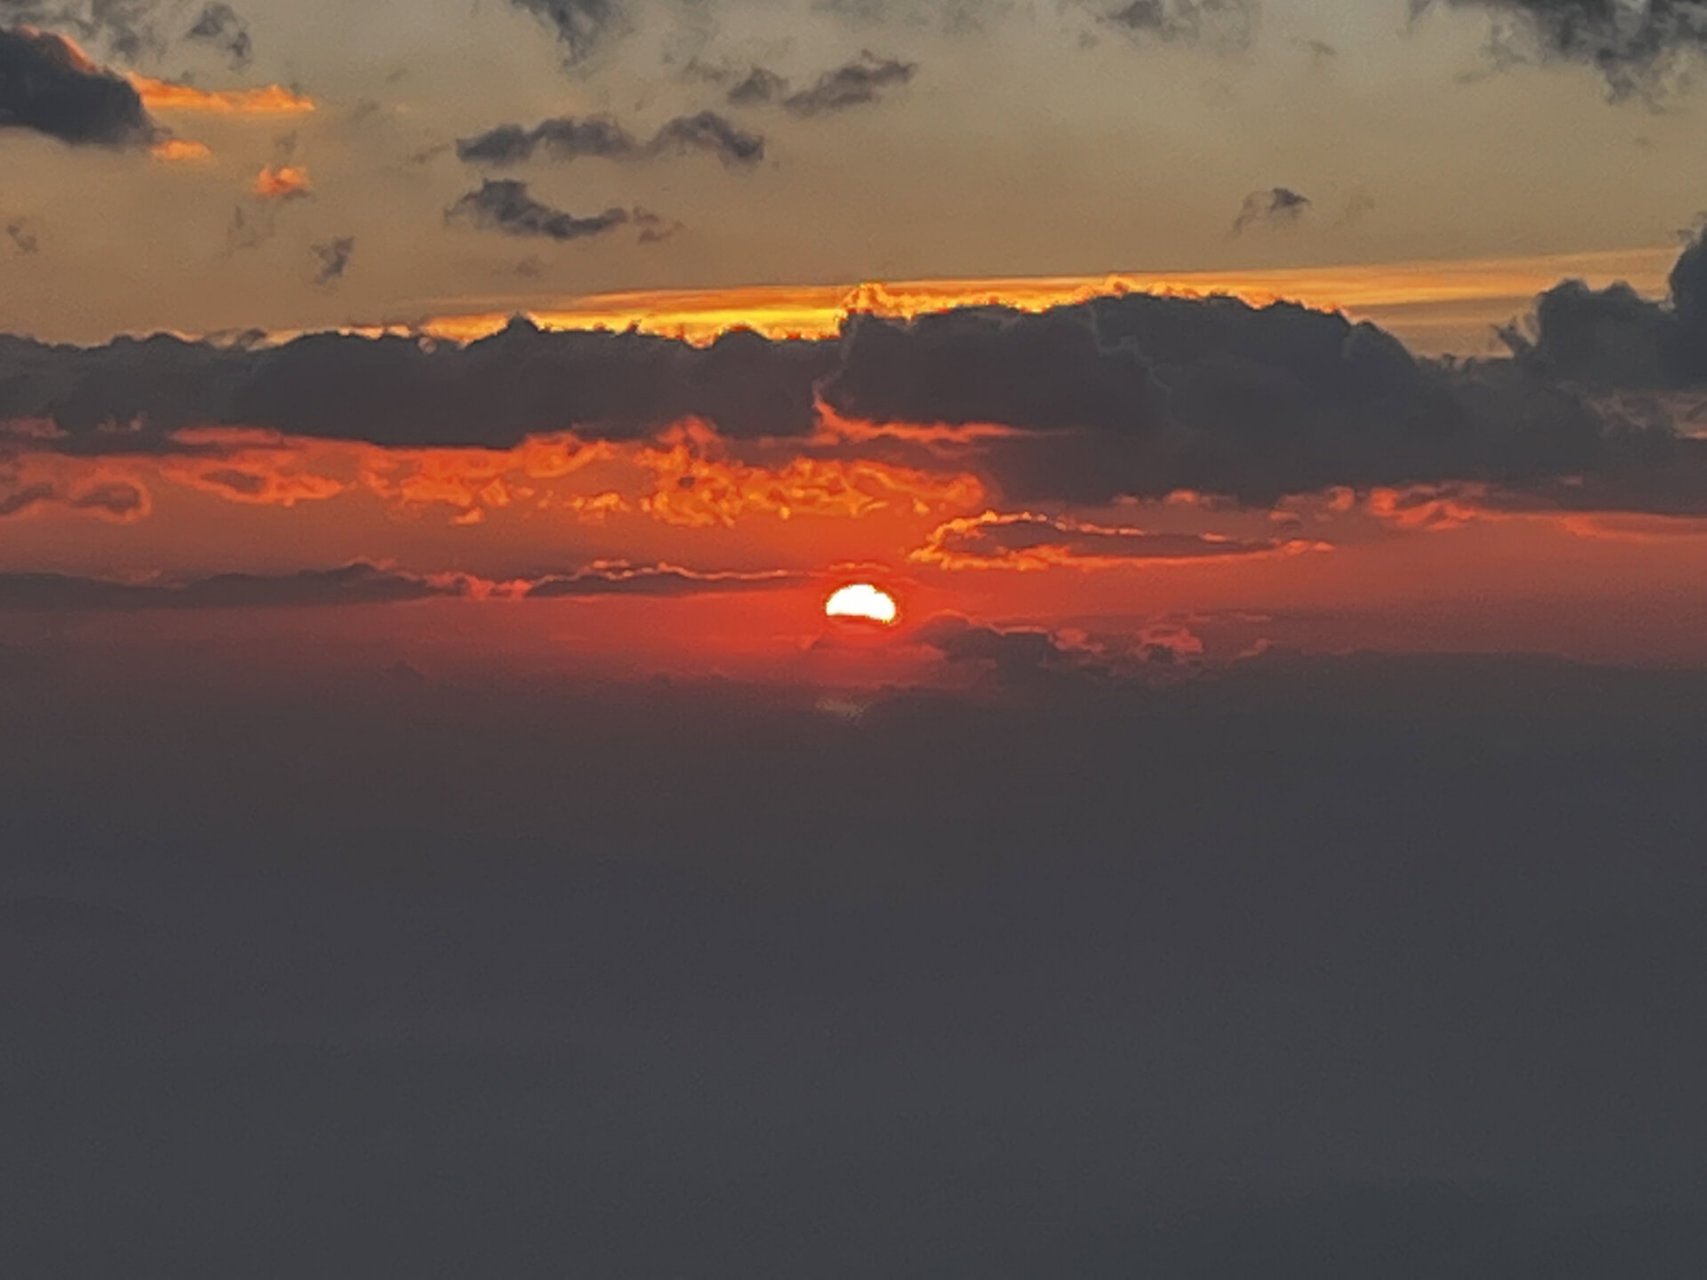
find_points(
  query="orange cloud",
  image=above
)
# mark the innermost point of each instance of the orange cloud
(269, 100)
(1028, 542)
(282, 182)
(180, 151)
(696, 483)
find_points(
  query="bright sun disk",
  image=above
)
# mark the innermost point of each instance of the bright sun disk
(864, 601)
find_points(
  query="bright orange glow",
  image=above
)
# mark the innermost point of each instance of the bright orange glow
(282, 182)
(818, 311)
(864, 602)
(181, 151)
(269, 100)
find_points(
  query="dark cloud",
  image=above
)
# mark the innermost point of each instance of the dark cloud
(571, 138)
(864, 80)
(1635, 46)
(47, 87)
(1123, 395)
(580, 25)
(360, 583)
(332, 258)
(1616, 338)
(1276, 207)
(508, 206)
(226, 30)
(117, 500)
(1224, 23)
(1017, 659)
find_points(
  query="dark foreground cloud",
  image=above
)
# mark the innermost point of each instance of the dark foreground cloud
(574, 137)
(48, 87)
(1616, 338)
(1278, 206)
(353, 584)
(1122, 395)
(1635, 45)
(1343, 970)
(507, 206)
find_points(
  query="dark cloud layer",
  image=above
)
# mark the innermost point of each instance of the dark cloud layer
(1633, 45)
(47, 87)
(353, 584)
(508, 206)
(1122, 395)
(572, 137)
(1348, 970)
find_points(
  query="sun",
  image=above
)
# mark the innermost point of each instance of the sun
(863, 602)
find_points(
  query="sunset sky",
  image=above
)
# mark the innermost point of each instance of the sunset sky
(485, 382)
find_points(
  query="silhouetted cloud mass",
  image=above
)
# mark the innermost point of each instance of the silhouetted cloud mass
(1123, 395)
(48, 87)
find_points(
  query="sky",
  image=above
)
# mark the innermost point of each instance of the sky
(446, 828)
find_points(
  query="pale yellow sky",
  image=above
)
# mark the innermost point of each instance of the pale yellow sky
(1040, 143)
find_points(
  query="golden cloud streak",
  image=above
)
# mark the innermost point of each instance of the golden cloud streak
(268, 100)
(1501, 285)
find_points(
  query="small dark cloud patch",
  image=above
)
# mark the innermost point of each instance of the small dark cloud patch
(223, 28)
(1275, 207)
(572, 138)
(1638, 48)
(117, 500)
(332, 258)
(654, 228)
(47, 87)
(859, 83)
(508, 207)
(580, 25)
(22, 236)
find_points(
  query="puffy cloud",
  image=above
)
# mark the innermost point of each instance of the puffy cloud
(509, 207)
(573, 137)
(48, 86)
(1027, 541)
(282, 182)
